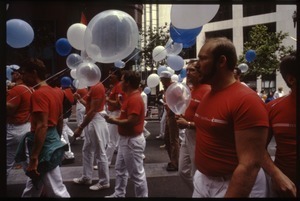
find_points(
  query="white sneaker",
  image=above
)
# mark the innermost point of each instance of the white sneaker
(147, 134)
(95, 167)
(98, 186)
(110, 196)
(82, 181)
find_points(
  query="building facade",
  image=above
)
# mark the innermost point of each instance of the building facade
(235, 20)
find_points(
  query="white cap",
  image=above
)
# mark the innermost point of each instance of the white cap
(165, 74)
(14, 67)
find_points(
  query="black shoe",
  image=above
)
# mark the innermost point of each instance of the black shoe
(171, 168)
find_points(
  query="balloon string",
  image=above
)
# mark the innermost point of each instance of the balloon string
(60, 72)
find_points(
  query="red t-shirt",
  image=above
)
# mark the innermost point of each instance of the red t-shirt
(96, 92)
(47, 100)
(83, 93)
(19, 95)
(133, 104)
(218, 115)
(69, 94)
(282, 116)
(115, 92)
(196, 96)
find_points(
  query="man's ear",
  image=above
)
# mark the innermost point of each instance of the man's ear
(222, 60)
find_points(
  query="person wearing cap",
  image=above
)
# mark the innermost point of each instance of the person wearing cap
(17, 116)
(42, 148)
(171, 129)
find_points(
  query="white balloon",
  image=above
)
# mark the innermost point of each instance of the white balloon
(114, 34)
(75, 35)
(174, 78)
(153, 80)
(88, 73)
(172, 47)
(243, 67)
(73, 73)
(178, 97)
(192, 16)
(159, 53)
(85, 57)
(73, 60)
(176, 62)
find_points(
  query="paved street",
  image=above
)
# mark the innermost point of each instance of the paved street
(161, 183)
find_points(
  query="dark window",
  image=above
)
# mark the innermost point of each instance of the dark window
(187, 53)
(220, 33)
(224, 13)
(258, 8)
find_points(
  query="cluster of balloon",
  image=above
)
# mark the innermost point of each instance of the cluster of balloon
(147, 90)
(250, 55)
(243, 67)
(110, 36)
(63, 47)
(19, 33)
(65, 81)
(153, 80)
(178, 97)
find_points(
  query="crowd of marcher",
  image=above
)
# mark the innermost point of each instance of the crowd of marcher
(222, 152)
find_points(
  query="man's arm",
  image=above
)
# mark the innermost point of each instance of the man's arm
(130, 121)
(88, 117)
(250, 146)
(40, 119)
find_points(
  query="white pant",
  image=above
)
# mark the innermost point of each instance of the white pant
(163, 123)
(114, 137)
(186, 163)
(216, 187)
(66, 132)
(51, 183)
(96, 139)
(80, 112)
(129, 162)
(14, 134)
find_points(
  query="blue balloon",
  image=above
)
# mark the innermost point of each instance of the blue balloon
(250, 55)
(184, 36)
(19, 33)
(65, 81)
(147, 90)
(119, 64)
(63, 47)
(189, 44)
(183, 73)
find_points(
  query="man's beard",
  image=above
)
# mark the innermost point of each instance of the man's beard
(207, 78)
